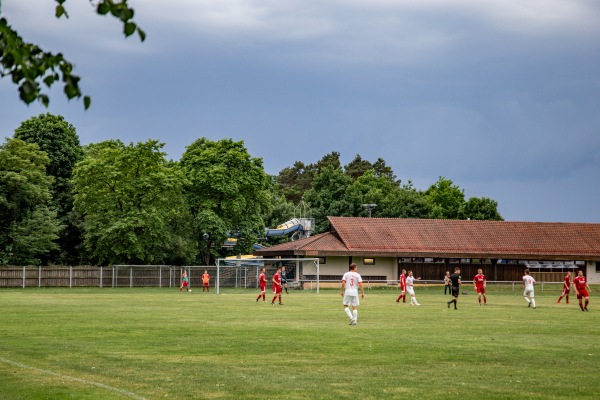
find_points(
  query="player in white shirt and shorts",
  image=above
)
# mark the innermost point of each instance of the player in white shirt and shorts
(351, 281)
(528, 293)
(410, 281)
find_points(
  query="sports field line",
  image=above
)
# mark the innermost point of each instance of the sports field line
(72, 378)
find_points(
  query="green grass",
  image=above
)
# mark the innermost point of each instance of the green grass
(162, 344)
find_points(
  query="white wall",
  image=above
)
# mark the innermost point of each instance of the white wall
(384, 266)
(593, 277)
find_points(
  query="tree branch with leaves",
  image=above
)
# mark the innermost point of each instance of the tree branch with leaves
(31, 68)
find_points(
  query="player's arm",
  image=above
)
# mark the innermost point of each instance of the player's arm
(475, 282)
(362, 289)
(343, 287)
(484, 281)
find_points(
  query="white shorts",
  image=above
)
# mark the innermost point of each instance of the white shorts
(410, 290)
(527, 293)
(351, 301)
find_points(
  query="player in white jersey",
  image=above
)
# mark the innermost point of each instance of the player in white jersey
(351, 281)
(528, 294)
(410, 281)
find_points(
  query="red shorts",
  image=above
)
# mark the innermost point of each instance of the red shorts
(276, 289)
(263, 288)
(184, 283)
(566, 291)
(403, 289)
(205, 284)
(583, 293)
(481, 290)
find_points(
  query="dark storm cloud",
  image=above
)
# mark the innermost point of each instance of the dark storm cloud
(500, 96)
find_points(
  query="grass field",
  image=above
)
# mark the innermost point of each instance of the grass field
(162, 344)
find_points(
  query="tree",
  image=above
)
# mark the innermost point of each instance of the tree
(407, 202)
(447, 200)
(29, 226)
(357, 167)
(59, 140)
(133, 205)
(296, 180)
(29, 66)
(383, 170)
(226, 194)
(482, 208)
(331, 195)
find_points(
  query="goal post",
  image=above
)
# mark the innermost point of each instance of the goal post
(244, 272)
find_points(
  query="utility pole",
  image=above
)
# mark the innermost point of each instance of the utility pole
(369, 208)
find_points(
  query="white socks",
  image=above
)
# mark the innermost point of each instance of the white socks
(355, 314)
(348, 312)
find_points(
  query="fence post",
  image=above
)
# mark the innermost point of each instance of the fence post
(101, 276)
(40, 276)
(159, 277)
(130, 277)
(24, 277)
(70, 277)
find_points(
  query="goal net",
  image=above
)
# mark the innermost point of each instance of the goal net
(243, 273)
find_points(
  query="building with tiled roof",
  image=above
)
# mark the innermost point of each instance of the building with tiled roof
(381, 247)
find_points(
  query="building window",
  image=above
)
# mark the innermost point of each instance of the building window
(322, 260)
(368, 261)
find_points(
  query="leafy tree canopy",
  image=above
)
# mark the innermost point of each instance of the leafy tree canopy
(482, 208)
(226, 193)
(29, 227)
(59, 139)
(131, 198)
(447, 199)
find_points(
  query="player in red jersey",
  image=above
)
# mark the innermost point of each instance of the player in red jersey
(480, 283)
(566, 288)
(402, 285)
(262, 284)
(277, 287)
(582, 290)
(205, 281)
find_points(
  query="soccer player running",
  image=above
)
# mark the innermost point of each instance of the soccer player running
(410, 281)
(262, 284)
(455, 281)
(276, 287)
(205, 281)
(566, 288)
(351, 281)
(402, 285)
(480, 283)
(582, 290)
(528, 293)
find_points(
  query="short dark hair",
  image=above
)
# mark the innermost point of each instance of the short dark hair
(526, 272)
(352, 266)
(456, 269)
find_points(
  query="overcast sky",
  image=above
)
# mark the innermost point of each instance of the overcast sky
(500, 96)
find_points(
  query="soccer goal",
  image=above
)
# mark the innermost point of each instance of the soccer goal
(243, 273)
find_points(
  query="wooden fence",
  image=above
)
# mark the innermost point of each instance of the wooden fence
(92, 276)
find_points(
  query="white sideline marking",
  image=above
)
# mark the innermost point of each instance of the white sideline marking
(72, 378)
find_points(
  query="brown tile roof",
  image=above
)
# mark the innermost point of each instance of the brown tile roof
(309, 246)
(449, 238)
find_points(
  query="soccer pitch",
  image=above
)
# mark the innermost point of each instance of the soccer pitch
(162, 344)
